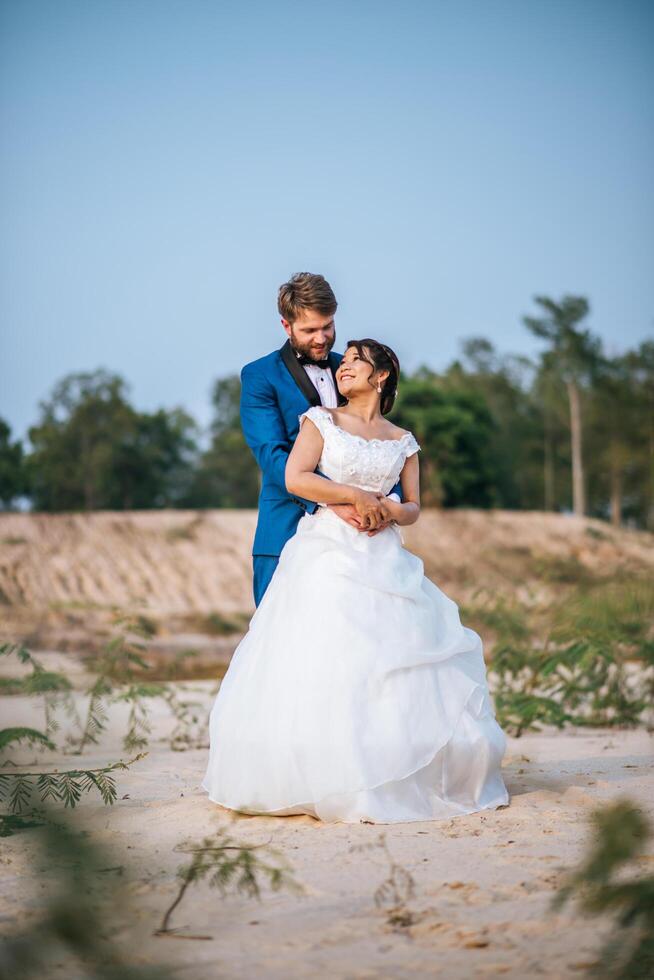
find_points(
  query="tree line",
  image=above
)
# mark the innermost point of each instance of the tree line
(571, 429)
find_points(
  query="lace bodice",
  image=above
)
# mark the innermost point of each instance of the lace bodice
(372, 464)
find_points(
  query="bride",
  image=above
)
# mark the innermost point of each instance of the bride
(356, 695)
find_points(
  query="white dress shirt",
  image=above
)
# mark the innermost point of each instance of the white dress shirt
(323, 380)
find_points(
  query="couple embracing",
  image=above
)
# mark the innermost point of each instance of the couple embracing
(356, 695)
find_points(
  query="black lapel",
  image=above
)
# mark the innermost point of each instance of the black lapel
(334, 361)
(299, 375)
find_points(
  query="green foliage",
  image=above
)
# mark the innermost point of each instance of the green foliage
(495, 430)
(13, 475)
(589, 662)
(55, 688)
(191, 722)
(147, 626)
(116, 665)
(453, 427)
(39, 682)
(613, 401)
(11, 736)
(17, 650)
(497, 613)
(574, 351)
(514, 443)
(224, 863)
(217, 624)
(562, 569)
(17, 789)
(120, 668)
(96, 714)
(138, 725)
(613, 612)
(120, 678)
(226, 474)
(600, 885)
(629, 458)
(92, 450)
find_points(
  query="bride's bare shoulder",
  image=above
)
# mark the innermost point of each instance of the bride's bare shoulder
(395, 432)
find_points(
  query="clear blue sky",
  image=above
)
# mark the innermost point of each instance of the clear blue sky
(165, 165)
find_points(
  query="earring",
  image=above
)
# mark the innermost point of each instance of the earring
(379, 389)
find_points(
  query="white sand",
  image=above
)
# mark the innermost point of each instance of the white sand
(483, 882)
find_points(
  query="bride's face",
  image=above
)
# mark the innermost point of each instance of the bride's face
(354, 375)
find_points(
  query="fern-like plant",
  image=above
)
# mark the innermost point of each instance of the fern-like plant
(18, 788)
(396, 890)
(120, 668)
(590, 663)
(224, 862)
(53, 687)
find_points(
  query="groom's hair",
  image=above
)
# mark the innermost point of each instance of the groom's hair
(305, 291)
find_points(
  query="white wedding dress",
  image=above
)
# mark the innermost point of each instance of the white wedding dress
(356, 695)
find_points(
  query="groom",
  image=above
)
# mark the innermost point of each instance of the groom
(275, 391)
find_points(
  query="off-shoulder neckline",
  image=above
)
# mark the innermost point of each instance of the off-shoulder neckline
(354, 435)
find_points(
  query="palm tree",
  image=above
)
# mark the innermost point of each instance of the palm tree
(574, 354)
(546, 392)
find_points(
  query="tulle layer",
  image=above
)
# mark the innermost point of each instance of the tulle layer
(357, 694)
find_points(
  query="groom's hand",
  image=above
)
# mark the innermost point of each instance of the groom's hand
(387, 513)
(382, 527)
(347, 513)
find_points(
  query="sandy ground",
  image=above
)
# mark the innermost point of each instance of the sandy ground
(483, 882)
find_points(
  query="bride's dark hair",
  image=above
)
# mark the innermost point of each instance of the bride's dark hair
(381, 358)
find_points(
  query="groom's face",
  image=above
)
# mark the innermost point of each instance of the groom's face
(312, 334)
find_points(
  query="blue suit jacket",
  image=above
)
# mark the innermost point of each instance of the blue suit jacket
(275, 391)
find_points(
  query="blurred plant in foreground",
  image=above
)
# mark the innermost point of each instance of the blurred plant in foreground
(620, 835)
(75, 925)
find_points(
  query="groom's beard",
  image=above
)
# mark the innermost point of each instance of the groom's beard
(310, 350)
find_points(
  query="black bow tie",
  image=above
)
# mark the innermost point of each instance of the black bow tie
(303, 359)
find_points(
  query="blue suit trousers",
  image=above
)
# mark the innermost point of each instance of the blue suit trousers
(264, 568)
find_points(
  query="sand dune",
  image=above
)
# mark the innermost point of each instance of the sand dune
(62, 572)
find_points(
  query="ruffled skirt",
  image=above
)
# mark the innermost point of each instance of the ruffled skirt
(356, 694)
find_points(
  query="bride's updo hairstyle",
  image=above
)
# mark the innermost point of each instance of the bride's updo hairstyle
(381, 358)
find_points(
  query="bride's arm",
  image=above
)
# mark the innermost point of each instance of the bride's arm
(304, 482)
(409, 511)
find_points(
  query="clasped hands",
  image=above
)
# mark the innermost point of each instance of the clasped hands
(370, 512)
